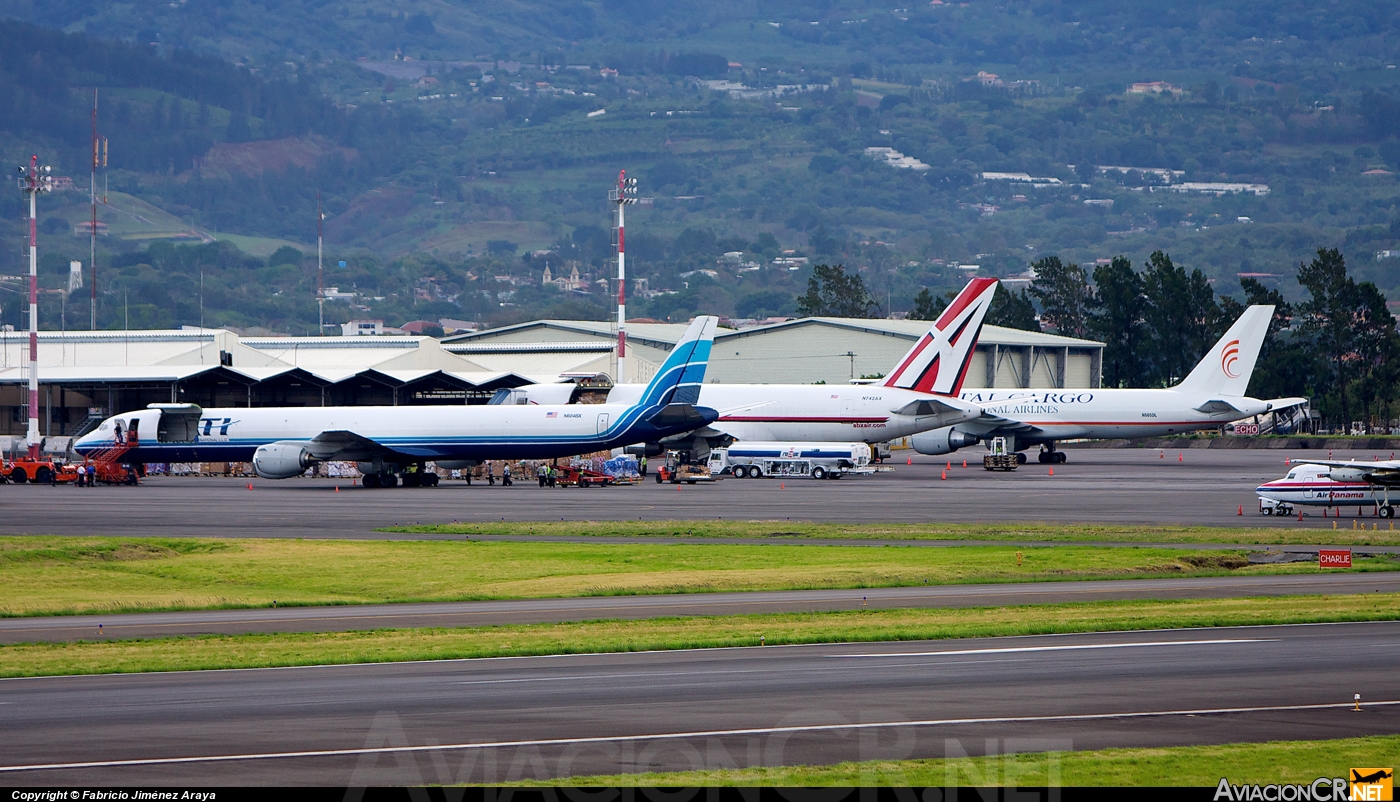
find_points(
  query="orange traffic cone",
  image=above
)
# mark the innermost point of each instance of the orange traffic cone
(1052, 471)
(250, 485)
(1300, 514)
(945, 474)
(964, 463)
(1161, 455)
(781, 486)
(1241, 512)
(949, 466)
(1179, 459)
(909, 461)
(337, 488)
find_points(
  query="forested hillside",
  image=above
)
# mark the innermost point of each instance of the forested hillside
(460, 148)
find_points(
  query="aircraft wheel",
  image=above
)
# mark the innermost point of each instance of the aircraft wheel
(18, 476)
(388, 480)
(1387, 511)
(430, 480)
(1021, 458)
(1061, 457)
(370, 480)
(819, 472)
(1044, 457)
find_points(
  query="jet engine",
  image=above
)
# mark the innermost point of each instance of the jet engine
(941, 441)
(282, 460)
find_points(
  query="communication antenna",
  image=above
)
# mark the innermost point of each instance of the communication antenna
(33, 180)
(626, 193)
(320, 290)
(92, 260)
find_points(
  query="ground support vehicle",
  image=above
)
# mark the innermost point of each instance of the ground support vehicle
(583, 477)
(754, 459)
(39, 471)
(999, 459)
(680, 467)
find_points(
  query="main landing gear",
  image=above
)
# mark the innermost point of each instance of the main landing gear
(419, 476)
(1049, 456)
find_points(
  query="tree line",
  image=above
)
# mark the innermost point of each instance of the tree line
(1337, 345)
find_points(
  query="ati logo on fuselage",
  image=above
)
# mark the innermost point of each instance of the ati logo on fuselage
(209, 427)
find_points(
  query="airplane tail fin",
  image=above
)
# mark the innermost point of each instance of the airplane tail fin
(679, 378)
(1226, 368)
(938, 361)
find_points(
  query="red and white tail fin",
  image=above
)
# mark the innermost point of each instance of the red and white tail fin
(938, 361)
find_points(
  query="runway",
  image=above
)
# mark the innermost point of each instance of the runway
(502, 719)
(1119, 486)
(529, 611)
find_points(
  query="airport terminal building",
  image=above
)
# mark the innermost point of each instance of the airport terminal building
(86, 376)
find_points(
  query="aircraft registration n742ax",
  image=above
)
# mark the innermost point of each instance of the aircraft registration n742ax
(284, 441)
(919, 394)
(1213, 394)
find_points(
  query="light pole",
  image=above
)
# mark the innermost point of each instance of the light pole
(624, 194)
(33, 180)
(320, 289)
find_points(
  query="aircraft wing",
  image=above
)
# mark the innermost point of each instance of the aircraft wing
(348, 446)
(1380, 472)
(990, 425)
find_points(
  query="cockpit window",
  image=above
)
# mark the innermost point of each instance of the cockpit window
(1292, 474)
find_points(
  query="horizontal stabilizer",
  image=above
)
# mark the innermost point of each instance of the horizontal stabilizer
(1276, 404)
(1216, 407)
(673, 415)
(924, 407)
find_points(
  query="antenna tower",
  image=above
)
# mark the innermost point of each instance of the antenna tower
(33, 180)
(320, 290)
(99, 159)
(625, 194)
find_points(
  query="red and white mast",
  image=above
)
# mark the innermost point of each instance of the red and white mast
(624, 194)
(32, 181)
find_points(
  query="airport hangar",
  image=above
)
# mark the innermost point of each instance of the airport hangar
(85, 376)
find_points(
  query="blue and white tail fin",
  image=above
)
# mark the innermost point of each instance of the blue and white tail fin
(938, 361)
(678, 380)
(1226, 368)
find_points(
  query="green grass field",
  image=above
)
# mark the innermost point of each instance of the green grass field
(256, 651)
(1188, 766)
(1316, 532)
(55, 575)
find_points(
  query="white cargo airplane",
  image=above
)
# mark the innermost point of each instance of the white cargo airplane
(919, 394)
(1212, 395)
(283, 442)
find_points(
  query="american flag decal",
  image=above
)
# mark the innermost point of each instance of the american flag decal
(551, 414)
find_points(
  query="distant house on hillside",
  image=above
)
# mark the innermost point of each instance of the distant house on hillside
(1153, 88)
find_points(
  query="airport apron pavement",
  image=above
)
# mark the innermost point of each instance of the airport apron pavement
(530, 611)
(493, 720)
(1117, 486)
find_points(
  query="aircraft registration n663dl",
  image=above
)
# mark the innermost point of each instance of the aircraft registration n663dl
(1211, 395)
(284, 441)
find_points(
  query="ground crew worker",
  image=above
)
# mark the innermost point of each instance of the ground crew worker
(490, 475)
(553, 475)
(642, 466)
(505, 475)
(542, 473)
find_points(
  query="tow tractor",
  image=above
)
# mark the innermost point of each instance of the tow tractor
(40, 471)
